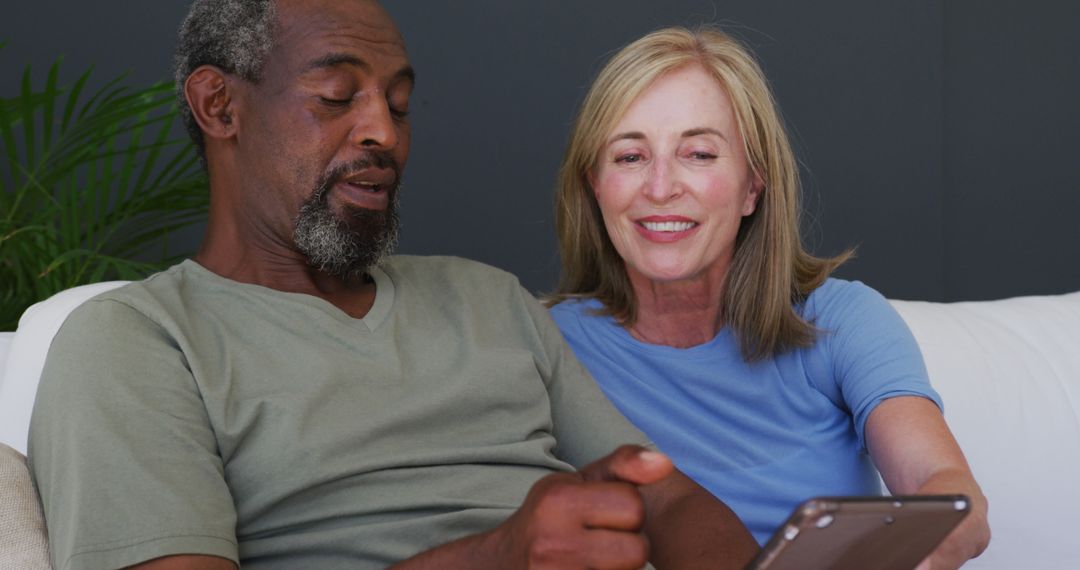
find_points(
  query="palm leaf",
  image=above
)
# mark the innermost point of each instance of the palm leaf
(94, 186)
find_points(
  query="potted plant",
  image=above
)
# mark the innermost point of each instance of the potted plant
(94, 185)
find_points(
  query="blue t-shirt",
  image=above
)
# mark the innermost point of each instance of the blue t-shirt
(766, 436)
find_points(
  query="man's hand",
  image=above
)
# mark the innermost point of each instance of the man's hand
(596, 518)
(590, 519)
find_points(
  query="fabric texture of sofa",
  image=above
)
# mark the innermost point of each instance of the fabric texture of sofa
(1008, 371)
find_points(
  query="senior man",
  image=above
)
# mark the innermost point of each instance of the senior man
(292, 397)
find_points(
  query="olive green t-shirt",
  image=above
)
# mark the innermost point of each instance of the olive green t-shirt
(189, 413)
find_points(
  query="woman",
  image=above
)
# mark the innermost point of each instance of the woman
(687, 293)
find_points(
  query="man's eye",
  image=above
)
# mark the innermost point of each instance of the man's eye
(335, 102)
(399, 113)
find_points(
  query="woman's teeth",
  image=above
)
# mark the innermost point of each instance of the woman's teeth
(668, 226)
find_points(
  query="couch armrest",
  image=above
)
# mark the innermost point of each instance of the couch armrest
(23, 540)
(26, 358)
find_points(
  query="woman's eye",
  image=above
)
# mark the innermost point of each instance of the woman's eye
(628, 158)
(699, 155)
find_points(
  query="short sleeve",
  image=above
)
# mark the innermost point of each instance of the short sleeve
(587, 426)
(870, 353)
(121, 448)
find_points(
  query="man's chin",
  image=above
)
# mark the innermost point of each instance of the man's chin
(344, 239)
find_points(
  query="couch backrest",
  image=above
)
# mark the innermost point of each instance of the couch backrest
(1009, 373)
(26, 357)
(5, 345)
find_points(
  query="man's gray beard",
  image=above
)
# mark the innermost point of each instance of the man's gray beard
(334, 247)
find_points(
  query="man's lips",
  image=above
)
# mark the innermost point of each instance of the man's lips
(665, 229)
(384, 177)
(368, 188)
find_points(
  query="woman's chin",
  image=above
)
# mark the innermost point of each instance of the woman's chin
(665, 274)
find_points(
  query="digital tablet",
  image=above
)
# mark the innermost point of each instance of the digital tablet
(861, 533)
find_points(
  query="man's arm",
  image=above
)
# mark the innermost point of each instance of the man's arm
(690, 528)
(120, 446)
(186, 562)
(619, 512)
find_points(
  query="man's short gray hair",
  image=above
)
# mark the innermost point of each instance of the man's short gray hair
(233, 35)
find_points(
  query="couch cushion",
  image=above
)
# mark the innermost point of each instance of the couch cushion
(23, 542)
(1009, 374)
(26, 357)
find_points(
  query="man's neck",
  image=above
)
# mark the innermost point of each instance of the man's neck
(231, 252)
(354, 297)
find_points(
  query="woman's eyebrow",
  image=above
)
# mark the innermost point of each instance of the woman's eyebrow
(703, 131)
(632, 135)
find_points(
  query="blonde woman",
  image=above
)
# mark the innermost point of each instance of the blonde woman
(687, 293)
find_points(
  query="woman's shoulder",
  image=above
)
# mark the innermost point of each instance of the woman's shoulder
(576, 313)
(836, 298)
(577, 306)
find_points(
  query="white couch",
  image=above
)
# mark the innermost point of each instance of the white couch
(1008, 370)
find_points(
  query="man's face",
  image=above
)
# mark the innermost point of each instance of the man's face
(324, 136)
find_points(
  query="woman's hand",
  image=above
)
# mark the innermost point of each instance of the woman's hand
(965, 542)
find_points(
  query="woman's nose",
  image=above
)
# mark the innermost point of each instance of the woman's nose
(661, 184)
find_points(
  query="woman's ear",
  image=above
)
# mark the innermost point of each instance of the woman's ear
(208, 94)
(753, 195)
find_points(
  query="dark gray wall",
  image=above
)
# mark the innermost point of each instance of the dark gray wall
(938, 136)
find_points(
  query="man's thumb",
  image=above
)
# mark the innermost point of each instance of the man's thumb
(631, 464)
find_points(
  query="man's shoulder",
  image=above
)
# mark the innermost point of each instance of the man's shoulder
(448, 270)
(162, 280)
(157, 298)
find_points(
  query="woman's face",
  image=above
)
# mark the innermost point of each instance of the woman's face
(673, 181)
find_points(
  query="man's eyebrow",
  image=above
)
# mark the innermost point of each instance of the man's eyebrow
(407, 73)
(336, 59)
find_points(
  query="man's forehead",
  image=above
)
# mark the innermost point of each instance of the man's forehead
(308, 28)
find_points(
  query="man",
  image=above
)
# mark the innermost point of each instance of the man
(291, 398)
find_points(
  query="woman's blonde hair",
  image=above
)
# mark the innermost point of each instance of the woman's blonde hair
(770, 271)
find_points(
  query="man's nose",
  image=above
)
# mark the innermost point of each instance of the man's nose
(661, 184)
(374, 124)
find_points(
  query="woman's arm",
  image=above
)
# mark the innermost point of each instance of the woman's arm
(916, 454)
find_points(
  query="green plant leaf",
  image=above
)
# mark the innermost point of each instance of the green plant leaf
(49, 104)
(73, 99)
(27, 108)
(95, 186)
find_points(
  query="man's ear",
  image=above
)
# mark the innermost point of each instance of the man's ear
(210, 97)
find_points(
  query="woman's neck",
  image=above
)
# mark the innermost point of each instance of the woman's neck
(678, 313)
